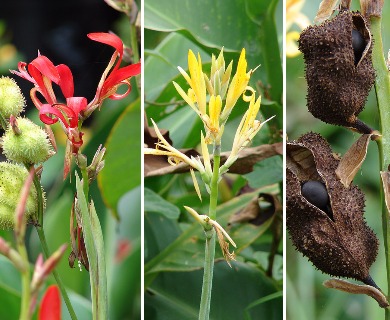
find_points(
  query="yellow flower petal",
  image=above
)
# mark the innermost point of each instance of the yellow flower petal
(196, 185)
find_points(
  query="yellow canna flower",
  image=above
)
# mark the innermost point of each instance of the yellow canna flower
(245, 132)
(294, 16)
(217, 85)
(238, 85)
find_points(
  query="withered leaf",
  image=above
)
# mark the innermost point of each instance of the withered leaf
(353, 288)
(385, 175)
(353, 160)
(372, 7)
(254, 214)
(325, 10)
(340, 244)
(158, 165)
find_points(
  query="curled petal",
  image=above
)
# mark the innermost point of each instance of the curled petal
(118, 76)
(50, 115)
(118, 96)
(23, 73)
(66, 80)
(45, 67)
(109, 39)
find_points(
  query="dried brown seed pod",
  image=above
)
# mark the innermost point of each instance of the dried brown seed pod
(336, 239)
(339, 70)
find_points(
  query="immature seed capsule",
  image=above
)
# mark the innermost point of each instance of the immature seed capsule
(358, 45)
(315, 192)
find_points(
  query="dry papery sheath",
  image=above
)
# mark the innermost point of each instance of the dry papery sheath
(339, 70)
(335, 237)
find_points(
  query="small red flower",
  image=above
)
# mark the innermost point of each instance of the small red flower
(42, 73)
(113, 76)
(68, 114)
(50, 308)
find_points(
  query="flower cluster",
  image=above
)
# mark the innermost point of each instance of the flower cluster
(73, 110)
(214, 111)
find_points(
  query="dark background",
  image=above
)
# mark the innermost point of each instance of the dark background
(58, 29)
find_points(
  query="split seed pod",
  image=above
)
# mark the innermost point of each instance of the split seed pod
(339, 70)
(335, 238)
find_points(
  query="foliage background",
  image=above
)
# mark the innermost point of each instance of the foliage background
(307, 298)
(174, 243)
(116, 126)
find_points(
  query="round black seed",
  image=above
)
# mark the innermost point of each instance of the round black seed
(358, 44)
(315, 192)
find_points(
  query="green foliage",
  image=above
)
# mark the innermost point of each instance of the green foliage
(174, 243)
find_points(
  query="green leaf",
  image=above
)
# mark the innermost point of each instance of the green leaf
(154, 203)
(94, 245)
(122, 170)
(266, 172)
(234, 290)
(212, 24)
(124, 277)
(185, 252)
(10, 286)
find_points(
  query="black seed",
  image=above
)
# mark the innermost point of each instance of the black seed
(315, 192)
(358, 45)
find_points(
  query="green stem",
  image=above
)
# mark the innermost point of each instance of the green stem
(207, 284)
(45, 248)
(26, 289)
(84, 174)
(382, 89)
(134, 48)
(3, 123)
(214, 183)
(60, 284)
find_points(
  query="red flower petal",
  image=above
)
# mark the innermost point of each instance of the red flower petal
(46, 68)
(66, 80)
(50, 308)
(50, 115)
(109, 39)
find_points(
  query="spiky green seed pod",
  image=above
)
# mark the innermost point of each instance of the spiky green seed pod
(12, 179)
(12, 101)
(29, 145)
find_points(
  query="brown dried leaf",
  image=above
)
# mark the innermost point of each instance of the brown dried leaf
(349, 287)
(254, 214)
(345, 4)
(325, 10)
(225, 247)
(353, 160)
(158, 165)
(371, 7)
(385, 175)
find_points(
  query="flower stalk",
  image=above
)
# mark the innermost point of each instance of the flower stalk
(382, 90)
(214, 111)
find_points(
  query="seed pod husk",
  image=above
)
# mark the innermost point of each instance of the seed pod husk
(339, 78)
(336, 240)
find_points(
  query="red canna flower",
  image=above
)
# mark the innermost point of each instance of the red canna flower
(113, 76)
(43, 73)
(50, 308)
(68, 114)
